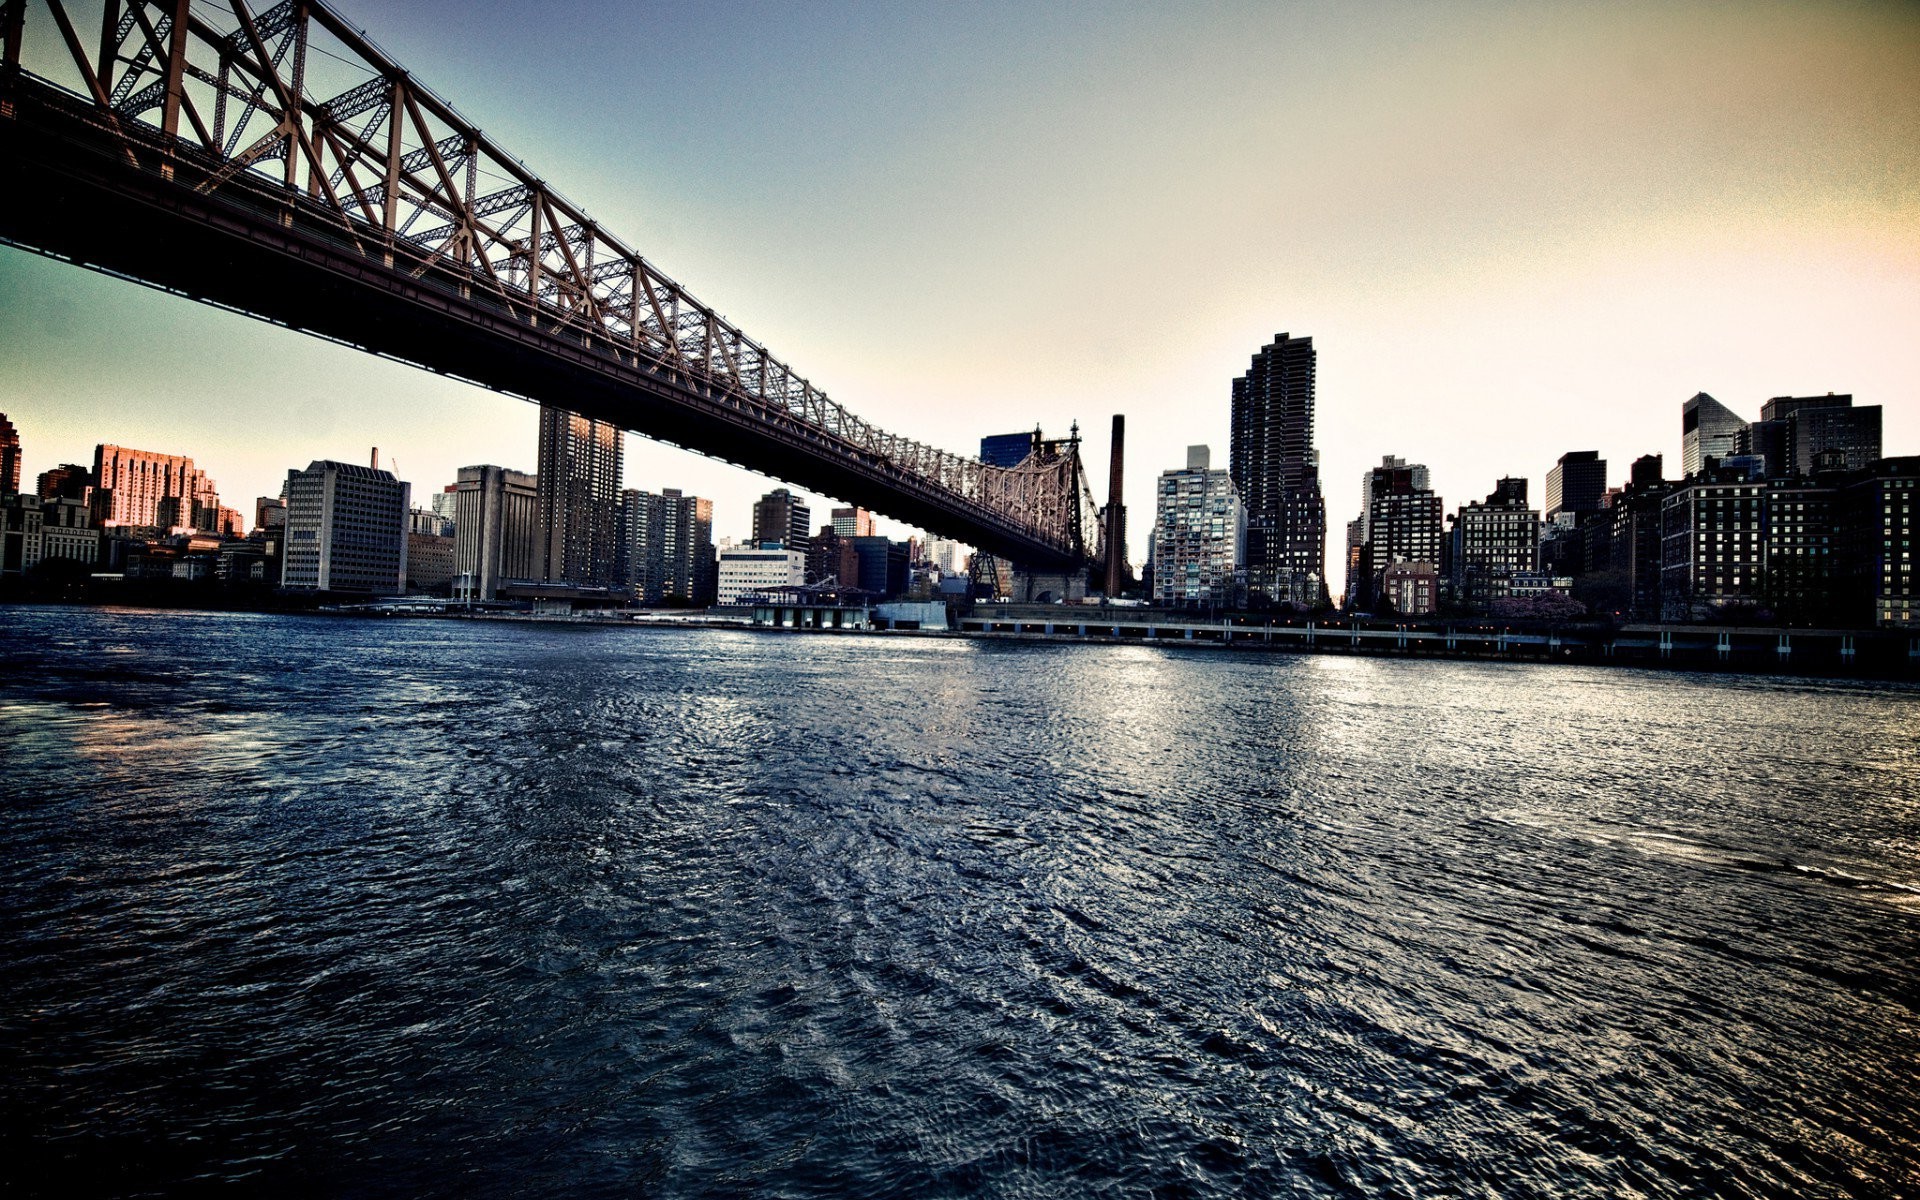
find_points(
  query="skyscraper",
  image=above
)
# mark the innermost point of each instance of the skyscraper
(9, 456)
(1402, 525)
(346, 529)
(1577, 484)
(780, 516)
(1708, 429)
(579, 497)
(1277, 472)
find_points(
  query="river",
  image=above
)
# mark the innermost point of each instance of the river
(428, 907)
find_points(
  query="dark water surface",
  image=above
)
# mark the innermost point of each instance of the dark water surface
(428, 908)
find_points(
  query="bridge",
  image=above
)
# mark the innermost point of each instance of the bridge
(279, 164)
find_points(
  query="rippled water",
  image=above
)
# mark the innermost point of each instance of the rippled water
(430, 908)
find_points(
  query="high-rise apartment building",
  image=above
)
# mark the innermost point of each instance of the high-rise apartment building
(143, 490)
(1713, 539)
(667, 547)
(346, 529)
(1708, 429)
(1876, 574)
(1277, 472)
(496, 530)
(9, 456)
(1199, 535)
(1492, 541)
(852, 522)
(780, 517)
(1577, 484)
(1403, 525)
(579, 490)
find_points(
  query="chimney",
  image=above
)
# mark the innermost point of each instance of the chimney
(1116, 513)
(375, 464)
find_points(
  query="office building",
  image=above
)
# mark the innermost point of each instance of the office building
(269, 512)
(1277, 473)
(139, 489)
(1492, 541)
(1813, 425)
(1708, 429)
(1199, 535)
(346, 530)
(852, 522)
(496, 530)
(780, 519)
(9, 456)
(579, 490)
(446, 500)
(1577, 484)
(749, 571)
(1007, 449)
(431, 559)
(882, 564)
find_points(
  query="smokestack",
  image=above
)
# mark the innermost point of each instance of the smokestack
(375, 464)
(1116, 512)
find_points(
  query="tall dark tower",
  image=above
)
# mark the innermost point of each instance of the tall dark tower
(579, 497)
(1116, 514)
(9, 456)
(1277, 471)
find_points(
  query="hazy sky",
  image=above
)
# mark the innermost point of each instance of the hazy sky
(1511, 230)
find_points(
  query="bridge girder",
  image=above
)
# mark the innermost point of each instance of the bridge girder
(378, 216)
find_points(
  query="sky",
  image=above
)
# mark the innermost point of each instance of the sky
(1512, 231)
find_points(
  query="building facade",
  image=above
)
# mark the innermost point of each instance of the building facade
(9, 456)
(581, 461)
(1491, 542)
(1199, 535)
(1577, 484)
(780, 518)
(1007, 449)
(1708, 429)
(747, 571)
(1713, 544)
(140, 489)
(346, 530)
(496, 530)
(1401, 523)
(1276, 469)
(852, 522)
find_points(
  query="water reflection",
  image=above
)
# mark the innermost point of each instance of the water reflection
(416, 908)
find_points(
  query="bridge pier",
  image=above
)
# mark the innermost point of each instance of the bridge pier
(1044, 587)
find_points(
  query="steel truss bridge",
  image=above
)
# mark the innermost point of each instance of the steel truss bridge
(278, 163)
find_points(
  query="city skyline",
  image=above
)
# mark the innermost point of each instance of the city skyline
(1701, 260)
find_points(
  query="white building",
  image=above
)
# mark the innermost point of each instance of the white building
(1199, 535)
(747, 571)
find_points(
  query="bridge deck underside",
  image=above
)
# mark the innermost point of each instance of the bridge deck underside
(256, 251)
